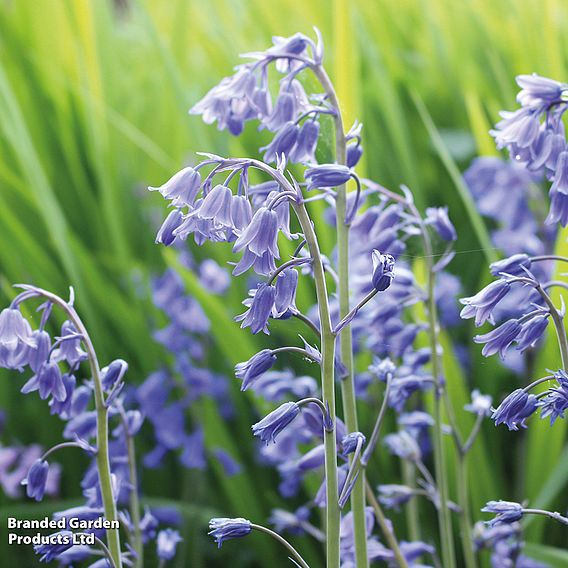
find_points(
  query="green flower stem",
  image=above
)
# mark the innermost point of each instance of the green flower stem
(465, 513)
(440, 462)
(103, 460)
(328, 388)
(411, 509)
(550, 514)
(383, 524)
(134, 499)
(345, 337)
(327, 355)
(295, 554)
(557, 319)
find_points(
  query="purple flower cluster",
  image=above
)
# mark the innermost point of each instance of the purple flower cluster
(505, 543)
(535, 137)
(56, 362)
(167, 396)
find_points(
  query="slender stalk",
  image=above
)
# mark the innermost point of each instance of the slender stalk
(474, 433)
(548, 257)
(299, 350)
(440, 462)
(383, 524)
(412, 513)
(103, 460)
(134, 500)
(465, 514)
(61, 447)
(345, 337)
(328, 388)
(349, 317)
(284, 542)
(373, 440)
(552, 515)
(308, 322)
(557, 319)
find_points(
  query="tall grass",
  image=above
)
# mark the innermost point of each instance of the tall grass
(93, 107)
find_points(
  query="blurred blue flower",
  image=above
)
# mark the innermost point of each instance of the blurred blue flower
(272, 424)
(515, 409)
(222, 529)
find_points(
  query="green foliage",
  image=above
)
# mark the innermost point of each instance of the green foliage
(93, 108)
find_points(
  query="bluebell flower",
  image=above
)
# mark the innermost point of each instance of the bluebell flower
(403, 445)
(169, 425)
(259, 309)
(65, 407)
(285, 521)
(252, 369)
(83, 425)
(484, 302)
(439, 219)
(555, 403)
(532, 331)
(261, 236)
(193, 455)
(515, 409)
(59, 543)
(392, 496)
(517, 130)
(512, 265)
(414, 550)
(505, 511)
(70, 347)
(285, 291)
(295, 45)
(263, 265)
(48, 381)
(311, 460)
(182, 188)
(559, 191)
(282, 144)
(113, 373)
(306, 144)
(241, 213)
(213, 277)
(415, 422)
(217, 206)
(14, 329)
(320, 498)
(36, 480)
(275, 386)
(537, 90)
(166, 543)
(229, 102)
(16, 339)
(272, 424)
(222, 529)
(499, 339)
(153, 393)
(349, 443)
(284, 112)
(327, 175)
(480, 404)
(448, 288)
(354, 153)
(167, 232)
(382, 368)
(558, 208)
(228, 463)
(383, 270)
(503, 191)
(404, 386)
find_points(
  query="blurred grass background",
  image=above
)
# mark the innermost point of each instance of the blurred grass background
(93, 108)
